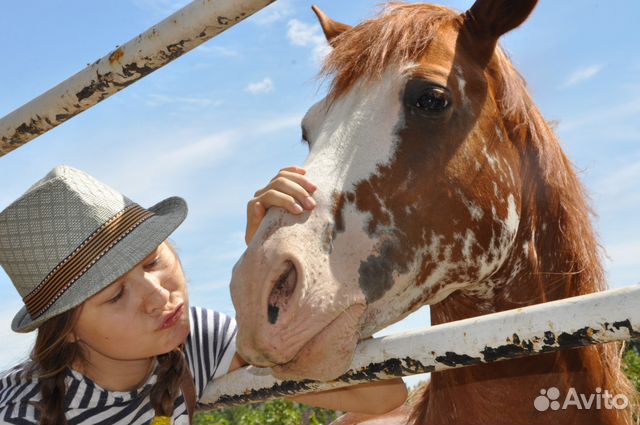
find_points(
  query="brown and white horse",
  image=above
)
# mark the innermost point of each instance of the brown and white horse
(440, 183)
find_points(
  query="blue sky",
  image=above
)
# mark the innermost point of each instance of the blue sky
(218, 123)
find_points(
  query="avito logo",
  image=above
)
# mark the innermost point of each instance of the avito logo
(550, 399)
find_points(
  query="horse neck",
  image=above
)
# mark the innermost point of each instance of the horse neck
(545, 265)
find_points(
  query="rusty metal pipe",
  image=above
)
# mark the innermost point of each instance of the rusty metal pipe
(189, 27)
(607, 316)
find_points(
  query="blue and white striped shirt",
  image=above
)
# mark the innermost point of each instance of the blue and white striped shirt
(209, 350)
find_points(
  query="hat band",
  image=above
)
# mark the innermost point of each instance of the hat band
(69, 270)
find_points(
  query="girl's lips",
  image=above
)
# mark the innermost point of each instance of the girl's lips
(172, 319)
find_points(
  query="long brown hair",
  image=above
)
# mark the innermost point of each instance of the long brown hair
(54, 353)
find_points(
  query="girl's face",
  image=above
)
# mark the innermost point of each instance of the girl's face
(143, 314)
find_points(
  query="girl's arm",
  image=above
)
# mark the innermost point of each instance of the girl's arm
(374, 398)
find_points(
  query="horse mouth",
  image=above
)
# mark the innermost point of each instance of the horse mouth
(328, 354)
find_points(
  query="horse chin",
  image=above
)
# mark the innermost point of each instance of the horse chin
(328, 354)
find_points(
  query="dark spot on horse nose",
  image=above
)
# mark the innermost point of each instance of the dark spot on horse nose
(272, 313)
(376, 272)
(282, 291)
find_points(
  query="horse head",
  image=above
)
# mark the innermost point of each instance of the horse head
(418, 161)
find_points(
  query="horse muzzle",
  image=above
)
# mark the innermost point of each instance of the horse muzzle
(292, 315)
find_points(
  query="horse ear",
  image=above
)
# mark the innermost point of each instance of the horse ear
(331, 28)
(492, 18)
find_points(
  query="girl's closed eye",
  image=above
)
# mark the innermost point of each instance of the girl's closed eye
(117, 296)
(153, 264)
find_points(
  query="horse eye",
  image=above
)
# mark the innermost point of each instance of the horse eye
(434, 99)
(304, 138)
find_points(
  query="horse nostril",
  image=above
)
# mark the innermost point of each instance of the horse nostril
(281, 292)
(272, 312)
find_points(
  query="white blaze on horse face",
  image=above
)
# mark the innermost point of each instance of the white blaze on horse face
(349, 140)
(353, 136)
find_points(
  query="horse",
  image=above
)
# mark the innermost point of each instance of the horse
(440, 183)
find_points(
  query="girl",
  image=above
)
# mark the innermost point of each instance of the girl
(117, 342)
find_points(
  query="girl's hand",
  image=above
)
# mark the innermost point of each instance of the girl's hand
(290, 190)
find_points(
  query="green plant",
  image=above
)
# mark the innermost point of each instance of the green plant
(631, 360)
(277, 412)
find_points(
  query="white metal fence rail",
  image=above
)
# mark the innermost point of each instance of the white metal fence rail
(189, 27)
(607, 316)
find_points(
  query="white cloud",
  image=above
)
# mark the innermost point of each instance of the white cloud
(176, 161)
(217, 51)
(617, 192)
(303, 34)
(622, 181)
(308, 35)
(161, 7)
(264, 86)
(273, 13)
(599, 117)
(624, 254)
(173, 162)
(582, 75)
(155, 100)
(216, 146)
(282, 123)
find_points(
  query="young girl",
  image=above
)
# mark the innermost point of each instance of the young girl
(117, 342)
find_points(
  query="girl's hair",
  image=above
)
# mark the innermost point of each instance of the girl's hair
(164, 393)
(53, 353)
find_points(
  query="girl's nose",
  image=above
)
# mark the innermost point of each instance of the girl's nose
(155, 296)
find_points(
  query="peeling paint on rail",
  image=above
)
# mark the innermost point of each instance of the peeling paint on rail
(189, 27)
(560, 325)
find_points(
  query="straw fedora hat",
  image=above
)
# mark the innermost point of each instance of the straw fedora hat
(69, 236)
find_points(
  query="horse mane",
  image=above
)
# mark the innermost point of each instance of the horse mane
(552, 190)
(570, 262)
(559, 216)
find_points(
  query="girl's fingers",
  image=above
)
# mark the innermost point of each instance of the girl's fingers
(295, 174)
(288, 186)
(300, 179)
(295, 190)
(290, 175)
(276, 198)
(295, 169)
(255, 214)
(289, 190)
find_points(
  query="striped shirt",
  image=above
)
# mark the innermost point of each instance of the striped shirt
(209, 350)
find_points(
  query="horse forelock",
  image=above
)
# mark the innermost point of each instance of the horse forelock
(399, 35)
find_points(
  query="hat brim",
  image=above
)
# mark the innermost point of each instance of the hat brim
(121, 258)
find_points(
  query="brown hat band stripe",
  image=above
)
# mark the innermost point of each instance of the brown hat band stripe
(83, 257)
(72, 270)
(69, 269)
